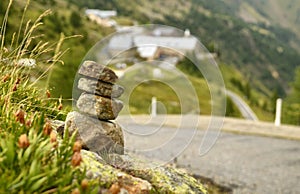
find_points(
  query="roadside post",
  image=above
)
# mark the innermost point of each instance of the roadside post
(154, 107)
(278, 112)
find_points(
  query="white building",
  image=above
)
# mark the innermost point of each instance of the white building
(120, 43)
(181, 44)
(152, 46)
(104, 14)
(102, 17)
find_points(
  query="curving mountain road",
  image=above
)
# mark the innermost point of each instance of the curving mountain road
(245, 110)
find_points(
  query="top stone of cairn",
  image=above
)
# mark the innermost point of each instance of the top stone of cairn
(98, 71)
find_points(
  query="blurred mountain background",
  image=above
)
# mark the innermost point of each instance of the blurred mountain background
(257, 42)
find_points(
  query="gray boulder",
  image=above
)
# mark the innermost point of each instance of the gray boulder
(100, 88)
(96, 135)
(100, 107)
(98, 71)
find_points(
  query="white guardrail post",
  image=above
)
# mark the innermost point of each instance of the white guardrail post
(278, 112)
(154, 107)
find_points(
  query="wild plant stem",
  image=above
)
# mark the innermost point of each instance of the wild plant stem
(3, 28)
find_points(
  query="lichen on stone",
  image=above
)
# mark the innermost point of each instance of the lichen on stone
(108, 176)
(161, 179)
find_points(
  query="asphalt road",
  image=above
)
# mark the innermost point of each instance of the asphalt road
(247, 164)
(245, 110)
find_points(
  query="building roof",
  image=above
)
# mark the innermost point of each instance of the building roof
(120, 42)
(163, 31)
(147, 45)
(101, 13)
(180, 43)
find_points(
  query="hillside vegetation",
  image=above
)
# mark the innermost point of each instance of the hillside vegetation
(291, 108)
(259, 39)
(256, 51)
(64, 21)
(260, 51)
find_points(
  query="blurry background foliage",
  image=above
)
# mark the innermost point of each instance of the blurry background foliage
(257, 58)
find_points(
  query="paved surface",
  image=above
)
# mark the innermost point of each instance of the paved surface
(248, 164)
(245, 110)
(232, 125)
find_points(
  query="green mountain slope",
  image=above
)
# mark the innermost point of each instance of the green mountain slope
(283, 13)
(263, 47)
(252, 54)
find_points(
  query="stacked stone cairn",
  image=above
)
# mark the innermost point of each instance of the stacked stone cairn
(97, 107)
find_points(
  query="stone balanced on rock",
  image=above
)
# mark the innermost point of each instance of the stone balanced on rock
(96, 107)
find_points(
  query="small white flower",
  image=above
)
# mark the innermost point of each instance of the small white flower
(27, 62)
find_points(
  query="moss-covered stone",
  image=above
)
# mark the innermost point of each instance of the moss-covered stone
(112, 178)
(166, 179)
(120, 172)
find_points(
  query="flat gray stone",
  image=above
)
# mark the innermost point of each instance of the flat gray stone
(97, 71)
(96, 135)
(100, 107)
(100, 88)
